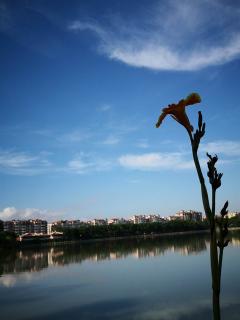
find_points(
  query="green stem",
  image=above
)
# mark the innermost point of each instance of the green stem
(215, 274)
(214, 261)
(221, 240)
(220, 266)
(216, 306)
(204, 192)
(210, 213)
(213, 206)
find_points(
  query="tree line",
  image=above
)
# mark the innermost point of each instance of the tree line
(86, 232)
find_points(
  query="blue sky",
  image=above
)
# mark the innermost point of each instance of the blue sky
(82, 85)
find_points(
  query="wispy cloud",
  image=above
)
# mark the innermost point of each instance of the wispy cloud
(85, 163)
(104, 108)
(143, 143)
(15, 160)
(6, 21)
(74, 136)
(111, 140)
(225, 147)
(155, 161)
(171, 35)
(22, 163)
(59, 138)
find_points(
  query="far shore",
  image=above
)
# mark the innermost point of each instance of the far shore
(21, 245)
(143, 236)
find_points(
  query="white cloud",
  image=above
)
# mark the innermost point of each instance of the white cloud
(74, 136)
(12, 162)
(43, 132)
(225, 147)
(79, 165)
(174, 35)
(84, 163)
(20, 163)
(105, 107)
(164, 161)
(64, 139)
(143, 143)
(155, 161)
(10, 213)
(15, 160)
(158, 57)
(111, 140)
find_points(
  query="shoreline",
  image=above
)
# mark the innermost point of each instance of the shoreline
(77, 242)
(142, 236)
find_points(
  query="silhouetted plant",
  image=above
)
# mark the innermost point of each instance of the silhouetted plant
(218, 224)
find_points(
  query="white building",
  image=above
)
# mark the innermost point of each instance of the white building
(99, 222)
(233, 214)
(189, 215)
(49, 228)
(139, 219)
(68, 224)
(154, 218)
(117, 221)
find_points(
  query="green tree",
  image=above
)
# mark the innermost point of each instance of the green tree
(7, 238)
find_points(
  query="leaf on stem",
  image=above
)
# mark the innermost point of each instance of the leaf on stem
(224, 210)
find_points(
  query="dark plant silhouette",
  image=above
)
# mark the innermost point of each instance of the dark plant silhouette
(218, 224)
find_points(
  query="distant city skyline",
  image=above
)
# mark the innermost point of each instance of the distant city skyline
(82, 86)
(106, 218)
(134, 216)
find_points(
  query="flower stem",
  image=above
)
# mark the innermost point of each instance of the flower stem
(204, 192)
(210, 213)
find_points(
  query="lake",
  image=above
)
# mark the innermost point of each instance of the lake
(164, 278)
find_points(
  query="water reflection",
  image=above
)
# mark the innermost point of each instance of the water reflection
(156, 279)
(36, 259)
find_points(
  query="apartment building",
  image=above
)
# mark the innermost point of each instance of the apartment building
(25, 226)
(147, 218)
(154, 218)
(117, 221)
(189, 215)
(139, 219)
(67, 224)
(99, 222)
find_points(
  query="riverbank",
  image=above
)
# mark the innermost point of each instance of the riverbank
(61, 242)
(82, 241)
(159, 235)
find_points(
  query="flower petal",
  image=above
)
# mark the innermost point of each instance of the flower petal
(160, 119)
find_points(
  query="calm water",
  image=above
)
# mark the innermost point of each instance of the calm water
(162, 278)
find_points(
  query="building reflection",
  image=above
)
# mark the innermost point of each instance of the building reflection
(36, 259)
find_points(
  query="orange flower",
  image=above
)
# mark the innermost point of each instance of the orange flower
(177, 111)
